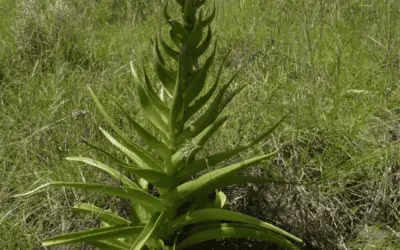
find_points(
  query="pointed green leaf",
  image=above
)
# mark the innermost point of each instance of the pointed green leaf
(168, 50)
(153, 142)
(141, 213)
(201, 164)
(177, 28)
(209, 181)
(155, 99)
(202, 48)
(195, 87)
(153, 223)
(109, 245)
(242, 179)
(133, 194)
(153, 115)
(159, 179)
(179, 159)
(165, 76)
(104, 233)
(139, 151)
(177, 107)
(201, 102)
(143, 160)
(196, 34)
(217, 214)
(165, 11)
(104, 215)
(114, 173)
(209, 19)
(189, 13)
(210, 114)
(235, 231)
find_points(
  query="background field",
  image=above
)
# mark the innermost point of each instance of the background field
(333, 64)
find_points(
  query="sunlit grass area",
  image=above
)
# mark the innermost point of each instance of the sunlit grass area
(333, 65)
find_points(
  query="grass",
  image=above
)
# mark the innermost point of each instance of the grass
(333, 64)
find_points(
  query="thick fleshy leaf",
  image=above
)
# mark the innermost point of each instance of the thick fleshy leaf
(155, 98)
(194, 88)
(139, 151)
(211, 113)
(168, 50)
(210, 18)
(177, 28)
(152, 114)
(166, 77)
(207, 182)
(157, 178)
(167, 16)
(217, 200)
(242, 179)
(177, 106)
(114, 173)
(147, 231)
(200, 164)
(181, 158)
(189, 13)
(109, 245)
(197, 33)
(103, 233)
(153, 142)
(235, 231)
(217, 214)
(143, 160)
(104, 215)
(201, 102)
(202, 48)
(135, 195)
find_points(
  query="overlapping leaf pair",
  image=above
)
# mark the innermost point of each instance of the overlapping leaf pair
(183, 214)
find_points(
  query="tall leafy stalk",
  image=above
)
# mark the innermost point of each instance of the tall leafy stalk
(184, 214)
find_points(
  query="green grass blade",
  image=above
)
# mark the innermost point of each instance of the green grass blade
(104, 233)
(215, 214)
(133, 194)
(143, 160)
(104, 215)
(235, 231)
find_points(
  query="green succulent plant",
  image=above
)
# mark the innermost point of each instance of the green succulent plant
(187, 210)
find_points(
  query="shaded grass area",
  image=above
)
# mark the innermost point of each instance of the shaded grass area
(333, 64)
